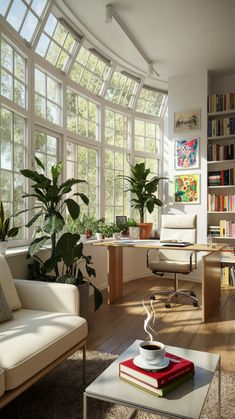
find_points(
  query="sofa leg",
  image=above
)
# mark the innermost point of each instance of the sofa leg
(84, 364)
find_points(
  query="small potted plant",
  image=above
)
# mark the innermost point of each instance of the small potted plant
(133, 229)
(99, 229)
(6, 231)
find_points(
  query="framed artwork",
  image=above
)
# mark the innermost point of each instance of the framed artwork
(187, 189)
(187, 154)
(185, 121)
(121, 220)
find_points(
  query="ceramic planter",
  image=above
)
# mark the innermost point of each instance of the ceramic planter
(3, 247)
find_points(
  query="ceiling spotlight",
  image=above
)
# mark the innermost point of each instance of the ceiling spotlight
(108, 13)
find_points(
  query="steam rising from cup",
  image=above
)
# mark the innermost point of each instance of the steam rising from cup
(150, 319)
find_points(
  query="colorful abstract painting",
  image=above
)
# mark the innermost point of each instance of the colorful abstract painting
(187, 189)
(187, 153)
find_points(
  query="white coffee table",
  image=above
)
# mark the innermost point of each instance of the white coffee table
(186, 401)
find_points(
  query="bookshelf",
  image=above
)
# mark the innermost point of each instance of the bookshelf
(221, 176)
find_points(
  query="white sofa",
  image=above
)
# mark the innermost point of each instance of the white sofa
(45, 329)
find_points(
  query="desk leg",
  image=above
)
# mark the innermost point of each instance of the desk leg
(211, 284)
(84, 406)
(115, 273)
(219, 388)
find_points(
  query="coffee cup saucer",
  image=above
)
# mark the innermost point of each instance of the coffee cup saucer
(141, 363)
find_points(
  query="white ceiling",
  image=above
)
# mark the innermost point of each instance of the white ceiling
(179, 36)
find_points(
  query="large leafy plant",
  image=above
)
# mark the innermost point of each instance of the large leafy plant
(6, 231)
(49, 211)
(143, 189)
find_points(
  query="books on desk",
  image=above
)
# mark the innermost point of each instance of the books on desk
(159, 382)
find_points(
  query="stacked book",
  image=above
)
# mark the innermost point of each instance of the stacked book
(221, 127)
(221, 177)
(159, 382)
(218, 152)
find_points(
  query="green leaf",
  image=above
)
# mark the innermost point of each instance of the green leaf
(73, 208)
(13, 231)
(66, 279)
(31, 174)
(34, 218)
(53, 223)
(68, 248)
(39, 163)
(50, 263)
(83, 197)
(56, 171)
(36, 245)
(52, 192)
(98, 297)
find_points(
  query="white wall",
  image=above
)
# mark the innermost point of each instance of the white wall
(188, 92)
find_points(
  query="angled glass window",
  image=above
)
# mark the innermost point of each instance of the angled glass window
(90, 71)
(56, 43)
(122, 89)
(13, 152)
(82, 116)
(116, 201)
(47, 97)
(46, 149)
(24, 15)
(151, 101)
(147, 136)
(13, 74)
(82, 163)
(117, 130)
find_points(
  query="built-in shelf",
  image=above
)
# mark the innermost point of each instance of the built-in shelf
(221, 113)
(222, 137)
(220, 161)
(221, 212)
(228, 260)
(221, 186)
(222, 238)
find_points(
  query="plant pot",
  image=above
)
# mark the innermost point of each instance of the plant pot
(3, 247)
(116, 236)
(99, 236)
(84, 300)
(83, 238)
(145, 230)
(134, 233)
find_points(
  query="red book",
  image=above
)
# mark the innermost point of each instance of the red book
(177, 367)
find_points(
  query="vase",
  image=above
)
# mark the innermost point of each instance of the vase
(134, 233)
(99, 236)
(3, 247)
(145, 230)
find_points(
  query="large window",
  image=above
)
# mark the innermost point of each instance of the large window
(12, 183)
(56, 43)
(47, 97)
(23, 15)
(151, 101)
(82, 116)
(13, 74)
(122, 89)
(90, 71)
(82, 163)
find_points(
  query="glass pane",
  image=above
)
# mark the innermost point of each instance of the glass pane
(6, 183)
(6, 85)
(150, 130)
(16, 14)
(19, 93)
(52, 90)
(19, 130)
(29, 26)
(83, 107)
(53, 53)
(76, 72)
(51, 145)
(19, 186)
(42, 45)
(40, 82)
(83, 56)
(38, 6)
(60, 34)
(19, 68)
(150, 145)
(3, 6)
(91, 62)
(6, 155)
(40, 143)
(52, 112)
(6, 56)
(40, 106)
(6, 125)
(18, 158)
(92, 112)
(139, 143)
(62, 61)
(69, 43)
(51, 24)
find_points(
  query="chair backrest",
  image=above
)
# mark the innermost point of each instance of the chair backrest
(178, 227)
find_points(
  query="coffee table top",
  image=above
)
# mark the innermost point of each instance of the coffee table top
(186, 401)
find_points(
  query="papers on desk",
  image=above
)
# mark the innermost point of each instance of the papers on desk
(168, 243)
(129, 241)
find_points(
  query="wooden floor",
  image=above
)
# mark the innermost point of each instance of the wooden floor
(114, 327)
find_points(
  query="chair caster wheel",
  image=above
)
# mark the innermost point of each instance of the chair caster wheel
(152, 297)
(167, 305)
(195, 303)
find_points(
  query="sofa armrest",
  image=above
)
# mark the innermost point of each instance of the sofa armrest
(47, 296)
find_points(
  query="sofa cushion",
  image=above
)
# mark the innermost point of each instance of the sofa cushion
(5, 311)
(2, 382)
(8, 285)
(34, 340)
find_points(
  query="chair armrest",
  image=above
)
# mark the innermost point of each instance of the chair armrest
(47, 296)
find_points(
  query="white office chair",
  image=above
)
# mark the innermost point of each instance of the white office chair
(179, 228)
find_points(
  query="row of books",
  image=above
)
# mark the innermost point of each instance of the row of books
(228, 275)
(160, 382)
(227, 228)
(221, 103)
(223, 203)
(228, 253)
(219, 127)
(217, 152)
(221, 177)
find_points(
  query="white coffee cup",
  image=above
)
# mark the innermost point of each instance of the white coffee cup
(152, 352)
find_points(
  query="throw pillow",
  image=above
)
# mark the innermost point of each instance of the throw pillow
(8, 285)
(5, 311)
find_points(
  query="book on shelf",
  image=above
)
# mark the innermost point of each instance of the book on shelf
(221, 102)
(162, 391)
(228, 275)
(177, 367)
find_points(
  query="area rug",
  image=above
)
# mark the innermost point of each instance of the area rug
(59, 395)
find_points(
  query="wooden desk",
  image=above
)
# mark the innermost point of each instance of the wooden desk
(211, 271)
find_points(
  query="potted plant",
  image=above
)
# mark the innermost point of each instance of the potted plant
(6, 231)
(83, 226)
(111, 230)
(52, 201)
(133, 229)
(144, 194)
(99, 228)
